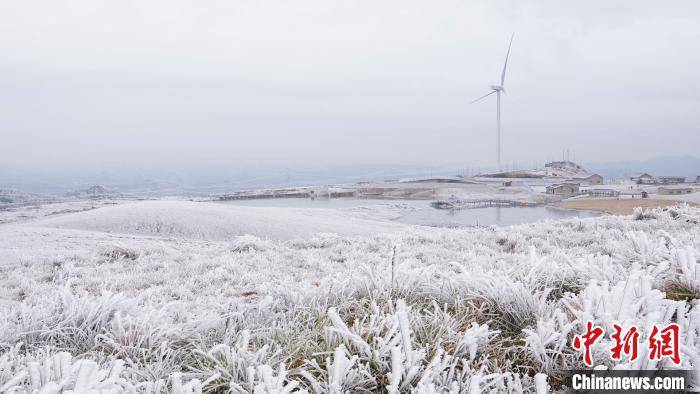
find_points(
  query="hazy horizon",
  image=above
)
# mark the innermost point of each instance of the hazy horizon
(207, 180)
(96, 86)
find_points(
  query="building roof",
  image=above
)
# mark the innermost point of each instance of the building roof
(642, 175)
(564, 184)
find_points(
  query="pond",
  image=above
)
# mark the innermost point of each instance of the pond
(420, 212)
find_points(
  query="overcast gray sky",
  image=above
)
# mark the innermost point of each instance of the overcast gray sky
(159, 83)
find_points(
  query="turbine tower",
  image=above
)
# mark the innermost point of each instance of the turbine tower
(498, 89)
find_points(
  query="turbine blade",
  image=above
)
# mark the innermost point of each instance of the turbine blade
(484, 96)
(503, 73)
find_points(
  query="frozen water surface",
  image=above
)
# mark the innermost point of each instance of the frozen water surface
(420, 212)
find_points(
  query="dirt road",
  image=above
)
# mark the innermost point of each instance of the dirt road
(617, 207)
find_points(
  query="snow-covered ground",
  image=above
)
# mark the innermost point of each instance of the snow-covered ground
(37, 210)
(172, 297)
(211, 221)
(415, 189)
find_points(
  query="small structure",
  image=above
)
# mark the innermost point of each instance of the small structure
(671, 180)
(675, 190)
(643, 179)
(603, 193)
(697, 179)
(561, 189)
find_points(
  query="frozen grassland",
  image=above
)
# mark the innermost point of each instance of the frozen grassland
(167, 298)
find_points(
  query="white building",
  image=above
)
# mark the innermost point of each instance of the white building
(643, 179)
(671, 180)
(671, 190)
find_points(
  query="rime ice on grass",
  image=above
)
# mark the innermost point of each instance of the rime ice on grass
(174, 306)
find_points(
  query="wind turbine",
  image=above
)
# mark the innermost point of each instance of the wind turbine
(498, 89)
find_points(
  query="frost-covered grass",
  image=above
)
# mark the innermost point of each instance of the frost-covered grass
(468, 310)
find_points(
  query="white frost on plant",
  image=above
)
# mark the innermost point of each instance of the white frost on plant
(60, 374)
(192, 308)
(630, 302)
(475, 336)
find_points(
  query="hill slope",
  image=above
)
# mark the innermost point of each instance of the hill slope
(211, 221)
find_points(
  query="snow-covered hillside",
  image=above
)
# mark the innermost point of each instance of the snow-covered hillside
(156, 307)
(554, 169)
(565, 169)
(212, 221)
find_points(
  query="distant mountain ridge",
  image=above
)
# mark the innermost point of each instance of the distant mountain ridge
(209, 181)
(687, 166)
